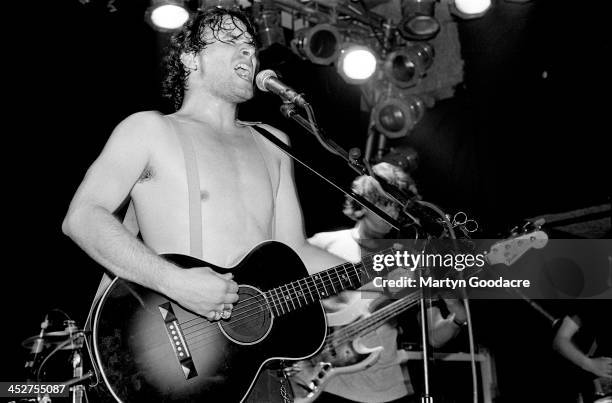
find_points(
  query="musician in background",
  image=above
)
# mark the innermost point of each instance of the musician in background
(384, 381)
(585, 339)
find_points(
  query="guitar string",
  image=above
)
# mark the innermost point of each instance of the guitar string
(283, 298)
(301, 295)
(206, 341)
(203, 342)
(200, 345)
(347, 333)
(278, 302)
(241, 317)
(338, 281)
(200, 331)
(245, 315)
(212, 328)
(198, 338)
(200, 334)
(355, 267)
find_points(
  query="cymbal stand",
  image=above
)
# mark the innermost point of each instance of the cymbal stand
(426, 396)
(78, 390)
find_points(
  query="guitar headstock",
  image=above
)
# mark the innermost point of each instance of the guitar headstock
(510, 250)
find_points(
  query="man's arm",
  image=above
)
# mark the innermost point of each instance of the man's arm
(289, 220)
(91, 224)
(441, 329)
(600, 366)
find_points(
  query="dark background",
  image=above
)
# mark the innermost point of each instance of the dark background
(514, 142)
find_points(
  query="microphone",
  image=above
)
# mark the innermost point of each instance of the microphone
(267, 81)
(38, 345)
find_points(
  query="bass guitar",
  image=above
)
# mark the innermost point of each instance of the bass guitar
(344, 352)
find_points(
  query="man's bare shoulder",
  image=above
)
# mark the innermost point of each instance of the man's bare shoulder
(142, 124)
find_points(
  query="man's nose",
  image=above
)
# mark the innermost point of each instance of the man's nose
(247, 51)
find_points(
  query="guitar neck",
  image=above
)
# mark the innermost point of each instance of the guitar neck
(348, 276)
(376, 319)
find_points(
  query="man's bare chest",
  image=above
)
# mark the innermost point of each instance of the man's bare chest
(239, 167)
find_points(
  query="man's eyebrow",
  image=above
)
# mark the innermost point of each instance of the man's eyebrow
(243, 35)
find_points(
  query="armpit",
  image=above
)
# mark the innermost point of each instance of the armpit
(147, 174)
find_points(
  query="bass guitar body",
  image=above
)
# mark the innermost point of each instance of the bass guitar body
(149, 349)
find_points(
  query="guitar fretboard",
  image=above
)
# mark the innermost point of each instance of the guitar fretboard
(348, 276)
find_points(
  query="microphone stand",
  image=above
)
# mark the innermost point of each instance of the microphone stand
(408, 201)
(288, 111)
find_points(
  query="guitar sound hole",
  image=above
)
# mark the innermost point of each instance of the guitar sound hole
(251, 318)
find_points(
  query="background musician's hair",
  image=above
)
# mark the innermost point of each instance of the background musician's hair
(367, 187)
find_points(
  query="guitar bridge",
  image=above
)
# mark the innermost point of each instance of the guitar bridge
(177, 340)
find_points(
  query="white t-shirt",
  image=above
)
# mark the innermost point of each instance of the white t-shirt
(383, 381)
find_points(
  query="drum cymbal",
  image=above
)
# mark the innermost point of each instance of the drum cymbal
(52, 339)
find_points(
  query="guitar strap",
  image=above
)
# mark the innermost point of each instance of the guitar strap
(193, 188)
(255, 127)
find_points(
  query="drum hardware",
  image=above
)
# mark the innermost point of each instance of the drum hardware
(46, 344)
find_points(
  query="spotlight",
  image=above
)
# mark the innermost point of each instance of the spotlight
(469, 9)
(320, 44)
(167, 15)
(226, 4)
(403, 67)
(394, 117)
(267, 18)
(356, 64)
(418, 21)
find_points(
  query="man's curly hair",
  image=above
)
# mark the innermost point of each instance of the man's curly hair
(190, 39)
(367, 187)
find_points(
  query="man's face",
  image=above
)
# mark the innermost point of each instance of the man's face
(229, 62)
(374, 223)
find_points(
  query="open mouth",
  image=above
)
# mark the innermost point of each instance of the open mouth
(243, 71)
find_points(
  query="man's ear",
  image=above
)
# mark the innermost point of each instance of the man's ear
(190, 61)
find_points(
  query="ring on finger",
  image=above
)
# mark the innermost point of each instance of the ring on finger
(226, 314)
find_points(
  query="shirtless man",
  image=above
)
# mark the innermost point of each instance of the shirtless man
(247, 191)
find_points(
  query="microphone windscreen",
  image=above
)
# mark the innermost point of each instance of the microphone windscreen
(261, 78)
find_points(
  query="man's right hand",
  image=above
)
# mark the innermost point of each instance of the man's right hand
(601, 366)
(204, 291)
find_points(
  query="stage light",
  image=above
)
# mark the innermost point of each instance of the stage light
(356, 64)
(418, 21)
(403, 67)
(395, 116)
(167, 15)
(320, 44)
(267, 18)
(226, 4)
(469, 9)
